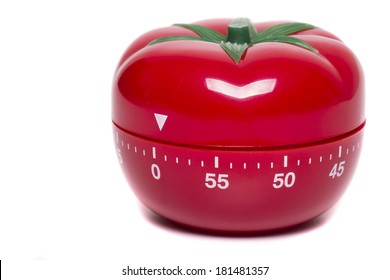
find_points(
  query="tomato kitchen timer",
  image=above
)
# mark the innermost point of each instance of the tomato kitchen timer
(225, 125)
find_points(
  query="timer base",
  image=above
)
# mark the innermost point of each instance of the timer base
(238, 190)
(309, 225)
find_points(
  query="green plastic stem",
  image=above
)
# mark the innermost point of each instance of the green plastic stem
(239, 31)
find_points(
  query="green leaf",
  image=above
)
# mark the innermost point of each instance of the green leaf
(178, 38)
(290, 40)
(234, 50)
(205, 32)
(281, 30)
(242, 34)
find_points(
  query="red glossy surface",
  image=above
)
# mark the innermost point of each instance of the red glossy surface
(264, 144)
(311, 97)
(171, 180)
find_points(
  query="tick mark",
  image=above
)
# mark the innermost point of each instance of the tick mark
(258, 165)
(330, 157)
(216, 162)
(143, 152)
(245, 165)
(135, 150)
(272, 165)
(202, 163)
(298, 162)
(285, 162)
(320, 158)
(165, 157)
(154, 152)
(128, 146)
(340, 151)
(177, 160)
(231, 165)
(122, 143)
(189, 162)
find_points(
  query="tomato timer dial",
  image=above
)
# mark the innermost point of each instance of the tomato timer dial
(226, 125)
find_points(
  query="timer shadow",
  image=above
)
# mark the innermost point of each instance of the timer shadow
(169, 225)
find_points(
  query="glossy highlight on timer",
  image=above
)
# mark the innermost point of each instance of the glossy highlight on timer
(233, 126)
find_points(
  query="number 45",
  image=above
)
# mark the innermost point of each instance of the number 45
(337, 170)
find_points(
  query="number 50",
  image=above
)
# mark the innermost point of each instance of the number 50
(281, 179)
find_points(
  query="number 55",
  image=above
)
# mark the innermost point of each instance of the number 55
(221, 182)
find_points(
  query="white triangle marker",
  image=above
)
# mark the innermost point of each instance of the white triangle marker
(161, 119)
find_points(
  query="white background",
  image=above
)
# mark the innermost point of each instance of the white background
(66, 211)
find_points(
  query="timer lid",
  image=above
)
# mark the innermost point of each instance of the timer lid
(190, 92)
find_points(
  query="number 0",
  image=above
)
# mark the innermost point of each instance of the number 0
(289, 180)
(156, 173)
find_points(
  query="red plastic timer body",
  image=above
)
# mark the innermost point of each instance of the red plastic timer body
(228, 126)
